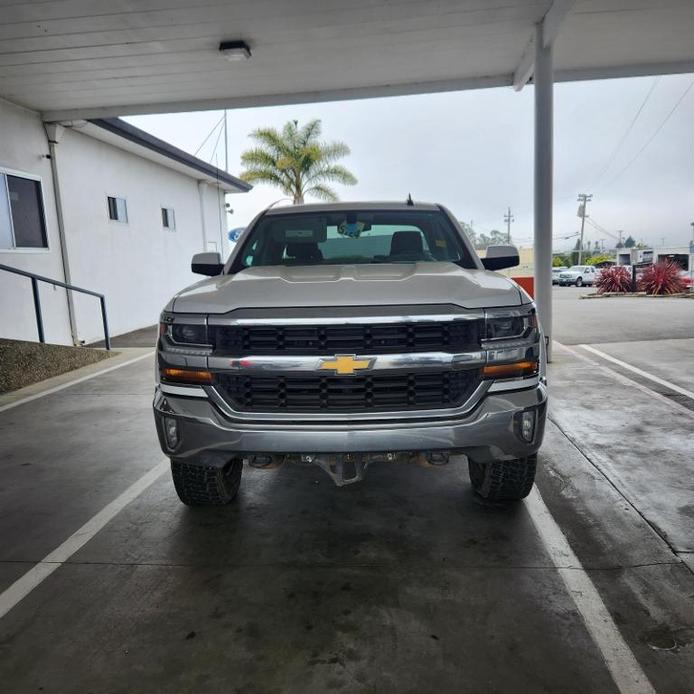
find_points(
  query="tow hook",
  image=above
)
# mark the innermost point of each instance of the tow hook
(437, 458)
(342, 469)
(265, 462)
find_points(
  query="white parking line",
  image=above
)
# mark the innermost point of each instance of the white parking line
(625, 380)
(62, 386)
(623, 666)
(37, 574)
(640, 372)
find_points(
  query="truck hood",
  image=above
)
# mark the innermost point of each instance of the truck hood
(349, 285)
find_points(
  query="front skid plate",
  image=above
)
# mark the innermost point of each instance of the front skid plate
(348, 468)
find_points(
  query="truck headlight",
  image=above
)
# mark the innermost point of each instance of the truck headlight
(187, 334)
(180, 332)
(510, 324)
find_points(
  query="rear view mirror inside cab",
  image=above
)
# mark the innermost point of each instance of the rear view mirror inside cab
(311, 230)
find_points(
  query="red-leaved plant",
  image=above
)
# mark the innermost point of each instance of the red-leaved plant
(613, 279)
(661, 278)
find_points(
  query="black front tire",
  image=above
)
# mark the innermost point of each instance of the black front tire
(503, 480)
(201, 485)
(579, 282)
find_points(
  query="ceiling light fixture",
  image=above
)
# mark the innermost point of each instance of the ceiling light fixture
(235, 50)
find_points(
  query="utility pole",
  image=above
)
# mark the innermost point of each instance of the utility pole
(583, 199)
(621, 233)
(508, 218)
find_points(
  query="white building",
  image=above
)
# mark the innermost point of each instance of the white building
(105, 206)
(682, 255)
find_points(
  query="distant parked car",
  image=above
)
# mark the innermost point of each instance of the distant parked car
(578, 275)
(687, 279)
(555, 273)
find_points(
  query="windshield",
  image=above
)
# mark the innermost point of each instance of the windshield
(577, 268)
(353, 237)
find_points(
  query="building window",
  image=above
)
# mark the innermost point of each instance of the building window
(22, 217)
(168, 218)
(117, 209)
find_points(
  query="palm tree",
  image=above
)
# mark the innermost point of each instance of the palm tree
(296, 161)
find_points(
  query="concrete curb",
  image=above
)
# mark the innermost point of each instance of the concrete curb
(637, 295)
(120, 357)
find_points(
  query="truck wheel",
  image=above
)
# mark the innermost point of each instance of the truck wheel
(579, 282)
(503, 480)
(200, 485)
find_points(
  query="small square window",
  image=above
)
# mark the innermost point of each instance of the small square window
(117, 209)
(168, 218)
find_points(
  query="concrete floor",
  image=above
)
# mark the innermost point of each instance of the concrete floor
(401, 584)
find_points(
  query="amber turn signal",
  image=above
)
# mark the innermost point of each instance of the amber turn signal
(515, 370)
(192, 376)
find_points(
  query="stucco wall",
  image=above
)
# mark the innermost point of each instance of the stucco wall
(138, 265)
(23, 149)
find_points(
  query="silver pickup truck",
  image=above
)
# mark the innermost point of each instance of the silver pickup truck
(348, 334)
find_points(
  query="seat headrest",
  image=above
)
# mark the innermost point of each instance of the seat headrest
(304, 252)
(406, 242)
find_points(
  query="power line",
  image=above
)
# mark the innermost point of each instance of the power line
(653, 136)
(612, 156)
(602, 229)
(209, 135)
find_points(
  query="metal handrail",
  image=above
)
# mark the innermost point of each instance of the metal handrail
(35, 279)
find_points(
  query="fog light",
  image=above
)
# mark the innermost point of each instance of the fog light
(171, 432)
(527, 429)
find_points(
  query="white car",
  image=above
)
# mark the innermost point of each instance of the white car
(578, 275)
(555, 273)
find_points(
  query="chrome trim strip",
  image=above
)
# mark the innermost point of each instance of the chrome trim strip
(347, 320)
(514, 384)
(188, 391)
(379, 362)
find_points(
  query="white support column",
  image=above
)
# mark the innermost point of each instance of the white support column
(544, 119)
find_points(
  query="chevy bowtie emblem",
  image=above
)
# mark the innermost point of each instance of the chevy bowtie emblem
(346, 364)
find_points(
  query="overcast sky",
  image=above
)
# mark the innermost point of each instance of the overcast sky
(472, 151)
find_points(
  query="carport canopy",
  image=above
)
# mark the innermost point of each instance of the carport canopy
(86, 59)
(101, 58)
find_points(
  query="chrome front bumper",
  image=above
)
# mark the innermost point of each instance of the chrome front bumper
(206, 435)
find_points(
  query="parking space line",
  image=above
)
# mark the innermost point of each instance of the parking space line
(37, 574)
(640, 372)
(625, 380)
(74, 382)
(625, 670)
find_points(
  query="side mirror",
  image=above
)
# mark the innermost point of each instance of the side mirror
(207, 264)
(499, 257)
